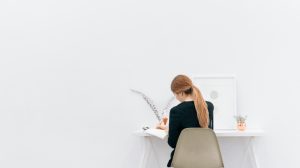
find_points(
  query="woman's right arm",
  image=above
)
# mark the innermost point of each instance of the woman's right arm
(174, 128)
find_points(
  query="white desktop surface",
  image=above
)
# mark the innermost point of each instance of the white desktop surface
(219, 132)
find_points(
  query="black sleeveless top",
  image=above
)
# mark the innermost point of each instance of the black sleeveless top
(184, 116)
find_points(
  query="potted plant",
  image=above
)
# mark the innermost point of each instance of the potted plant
(241, 125)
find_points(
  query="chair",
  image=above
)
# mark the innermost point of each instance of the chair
(197, 148)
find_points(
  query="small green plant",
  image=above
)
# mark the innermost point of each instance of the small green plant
(240, 119)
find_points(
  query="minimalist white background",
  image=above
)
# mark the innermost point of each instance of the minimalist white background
(66, 68)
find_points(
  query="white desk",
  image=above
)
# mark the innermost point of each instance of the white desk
(251, 133)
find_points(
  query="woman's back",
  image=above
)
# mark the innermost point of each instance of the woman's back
(183, 116)
(188, 113)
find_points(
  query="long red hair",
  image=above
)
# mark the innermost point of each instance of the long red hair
(182, 83)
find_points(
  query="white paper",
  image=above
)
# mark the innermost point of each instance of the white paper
(157, 132)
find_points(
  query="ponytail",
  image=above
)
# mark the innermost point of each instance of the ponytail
(182, 83)
(201, 107)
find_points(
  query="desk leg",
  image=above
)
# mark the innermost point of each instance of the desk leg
(253, 154)
(246, 152)
(144, 152)
(154, 152)
(250, 146)
(148, 154)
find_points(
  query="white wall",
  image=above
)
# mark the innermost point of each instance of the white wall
(66, 68)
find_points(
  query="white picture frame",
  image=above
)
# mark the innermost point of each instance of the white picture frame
(221, 91)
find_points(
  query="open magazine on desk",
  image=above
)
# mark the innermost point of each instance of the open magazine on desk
(156, 132)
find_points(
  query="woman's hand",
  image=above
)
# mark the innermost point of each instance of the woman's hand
(163, 127)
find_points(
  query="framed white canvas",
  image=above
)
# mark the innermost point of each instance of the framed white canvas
(220, 90)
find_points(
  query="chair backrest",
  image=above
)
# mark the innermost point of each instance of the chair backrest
(197, 148)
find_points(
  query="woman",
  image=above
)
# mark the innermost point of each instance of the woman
(193, 111)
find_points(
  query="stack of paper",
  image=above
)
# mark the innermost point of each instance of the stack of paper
(157, 132)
